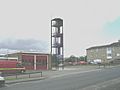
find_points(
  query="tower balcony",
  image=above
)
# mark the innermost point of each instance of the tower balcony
(57, 35)
(56, 45)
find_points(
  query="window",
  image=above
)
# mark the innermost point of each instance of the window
(97, 50)
(18, 65)
(109, 56)
(109, 50)
(109, 53)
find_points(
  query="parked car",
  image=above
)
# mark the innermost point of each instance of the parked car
(82, 62)
(93, 62)
(2, 80)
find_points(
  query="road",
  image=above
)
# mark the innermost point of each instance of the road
(77, 81)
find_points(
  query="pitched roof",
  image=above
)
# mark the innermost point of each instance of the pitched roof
(115, 44)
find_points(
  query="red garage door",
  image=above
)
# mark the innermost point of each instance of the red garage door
(41, 62)
(28, 62)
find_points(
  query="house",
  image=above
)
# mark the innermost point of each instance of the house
(106, 53)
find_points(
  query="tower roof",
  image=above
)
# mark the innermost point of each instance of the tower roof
(57, 19)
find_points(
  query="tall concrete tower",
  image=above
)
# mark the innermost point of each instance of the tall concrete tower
(57, 49)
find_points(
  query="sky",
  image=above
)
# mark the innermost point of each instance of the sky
(25, 24)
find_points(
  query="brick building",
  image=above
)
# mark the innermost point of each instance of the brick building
(106, 53)
(34, 61)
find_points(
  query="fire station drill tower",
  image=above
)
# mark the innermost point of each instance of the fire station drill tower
(57, 42)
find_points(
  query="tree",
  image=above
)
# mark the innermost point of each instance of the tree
(83, 58)
(72, 58)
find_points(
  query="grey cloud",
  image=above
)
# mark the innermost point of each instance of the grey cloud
(20, 44)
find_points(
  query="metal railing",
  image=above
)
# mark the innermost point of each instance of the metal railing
(23, 75)
(29, 74)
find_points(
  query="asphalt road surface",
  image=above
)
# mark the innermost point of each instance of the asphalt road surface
(76, 81)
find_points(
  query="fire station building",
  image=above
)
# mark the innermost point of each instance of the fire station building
(34, 61)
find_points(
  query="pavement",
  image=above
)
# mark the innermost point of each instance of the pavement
(52, 73)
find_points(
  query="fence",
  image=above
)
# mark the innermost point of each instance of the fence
(23, 75)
